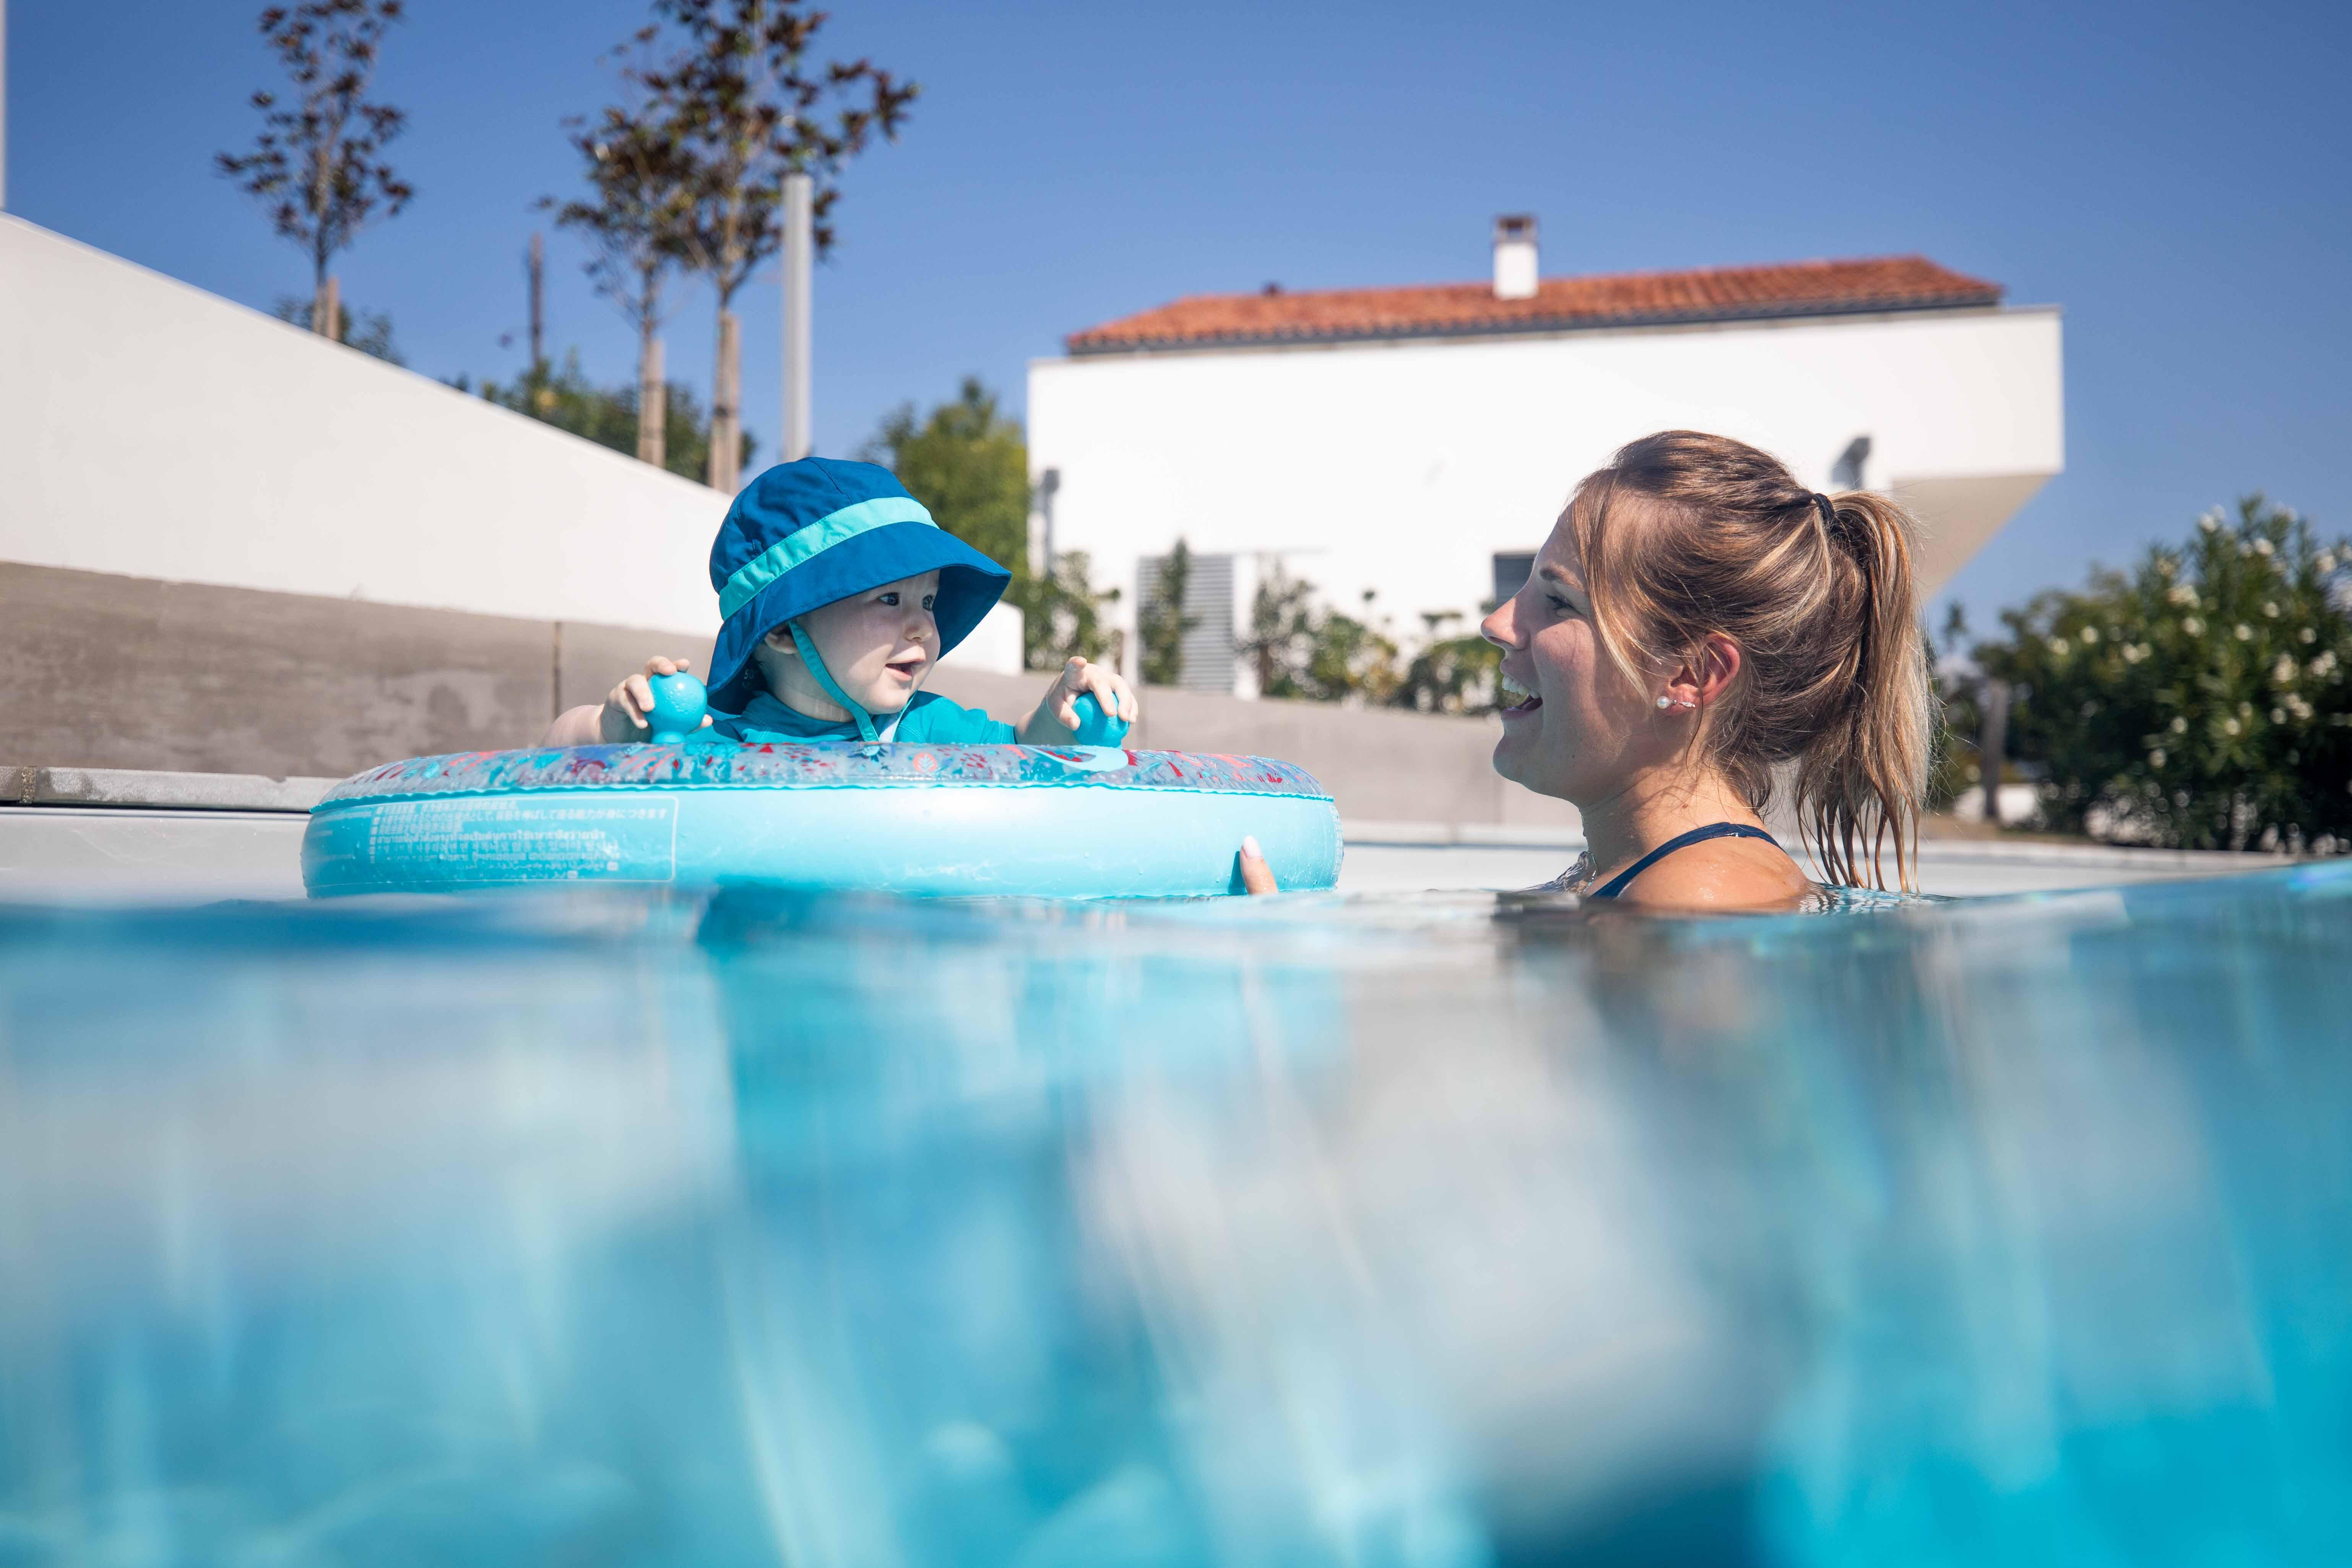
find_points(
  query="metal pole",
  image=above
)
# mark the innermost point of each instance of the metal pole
(800, 256)
(1992, 744)
(4, 106)
(1048, 483)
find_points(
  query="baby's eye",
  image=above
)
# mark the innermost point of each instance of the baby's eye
(891, 598)
(930, 600)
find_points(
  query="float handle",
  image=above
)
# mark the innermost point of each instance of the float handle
(1096, 727)
(679, 702)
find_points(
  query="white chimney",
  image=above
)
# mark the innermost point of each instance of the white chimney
(1514, 257)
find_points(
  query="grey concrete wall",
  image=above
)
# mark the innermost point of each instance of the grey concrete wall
(126, 672)
(1381, 765)
(593, 659)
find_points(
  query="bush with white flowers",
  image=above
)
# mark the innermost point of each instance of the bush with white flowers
(2202, 701)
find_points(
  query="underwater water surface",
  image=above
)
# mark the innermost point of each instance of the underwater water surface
(764, 1229)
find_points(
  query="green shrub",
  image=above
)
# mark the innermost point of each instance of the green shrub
(1303, 651)
(2204, 700)
(1061, 616)
(1450, 674)
(370, 334)
(1161, 623)
(968, 462)
(568, 400)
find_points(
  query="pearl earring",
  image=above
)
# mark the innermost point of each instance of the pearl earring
(1665, 702)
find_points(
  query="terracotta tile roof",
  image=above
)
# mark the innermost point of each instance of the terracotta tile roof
(1560, 304)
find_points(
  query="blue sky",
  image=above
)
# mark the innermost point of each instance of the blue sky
(2179, 178)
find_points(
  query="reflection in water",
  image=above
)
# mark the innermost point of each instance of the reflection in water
(772, 1228)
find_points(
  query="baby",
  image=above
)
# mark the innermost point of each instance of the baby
(839, 594)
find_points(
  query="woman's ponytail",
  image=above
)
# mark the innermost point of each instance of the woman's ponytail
(1862, 777)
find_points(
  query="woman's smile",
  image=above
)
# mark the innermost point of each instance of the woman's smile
(1524, 702)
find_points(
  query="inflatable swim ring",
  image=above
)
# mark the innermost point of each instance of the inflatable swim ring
(1078, 821)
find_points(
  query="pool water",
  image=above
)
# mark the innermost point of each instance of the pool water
(759, 1228)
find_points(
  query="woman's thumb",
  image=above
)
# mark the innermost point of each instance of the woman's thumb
(1258, 877)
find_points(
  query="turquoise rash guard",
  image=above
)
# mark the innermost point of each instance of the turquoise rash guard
(928, 716)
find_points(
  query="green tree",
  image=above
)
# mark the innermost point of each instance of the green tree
(2203, 700)
(637, 226)
(1062, 616)
(1281, 643)
(565, 398)
(1306, 652)
(1953, 768)
(1351, 659)
(370, 333)
(1460, 674)
(738, 106)
(1162, 623)
(318, 164)
(968, 464)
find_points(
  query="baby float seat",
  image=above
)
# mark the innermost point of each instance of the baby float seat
(1076, 821)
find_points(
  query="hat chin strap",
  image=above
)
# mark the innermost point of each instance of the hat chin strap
(865, 720)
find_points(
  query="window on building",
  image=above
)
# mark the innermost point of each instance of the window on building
(1511, 572)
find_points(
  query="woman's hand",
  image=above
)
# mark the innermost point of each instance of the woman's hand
(1055, 716)
(623, 717)
(1258, 877)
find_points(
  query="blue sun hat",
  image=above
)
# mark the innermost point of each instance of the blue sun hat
(805, 533)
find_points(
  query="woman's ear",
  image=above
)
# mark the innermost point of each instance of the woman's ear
(1718, 667)
(1706, 676)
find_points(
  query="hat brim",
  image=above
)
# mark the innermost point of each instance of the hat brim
(969, 585)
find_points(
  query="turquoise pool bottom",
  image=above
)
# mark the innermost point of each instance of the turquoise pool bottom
(629, 1229)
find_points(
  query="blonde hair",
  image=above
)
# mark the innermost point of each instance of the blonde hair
(1685, 535)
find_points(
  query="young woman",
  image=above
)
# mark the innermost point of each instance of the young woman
(1699, 630)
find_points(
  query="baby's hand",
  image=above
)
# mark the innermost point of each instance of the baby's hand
(623, 717)
(1061, 704)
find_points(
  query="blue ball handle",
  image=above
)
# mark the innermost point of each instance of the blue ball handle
(1096, 727)
(679, 702)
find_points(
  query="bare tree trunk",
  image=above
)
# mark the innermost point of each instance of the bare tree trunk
(326, 298)
(538, 296)
(653, 377)
(726, 406)
(1992, 744)
(323, 299)
(718, 404)
(653, 402)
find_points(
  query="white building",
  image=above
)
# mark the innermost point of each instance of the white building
(1416, 443)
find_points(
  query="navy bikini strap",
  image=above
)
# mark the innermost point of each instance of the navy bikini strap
(1624, 878)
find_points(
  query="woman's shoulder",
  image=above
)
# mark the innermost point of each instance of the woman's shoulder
(1722, 874)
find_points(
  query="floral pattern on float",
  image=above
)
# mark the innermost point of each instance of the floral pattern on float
(826, 765)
